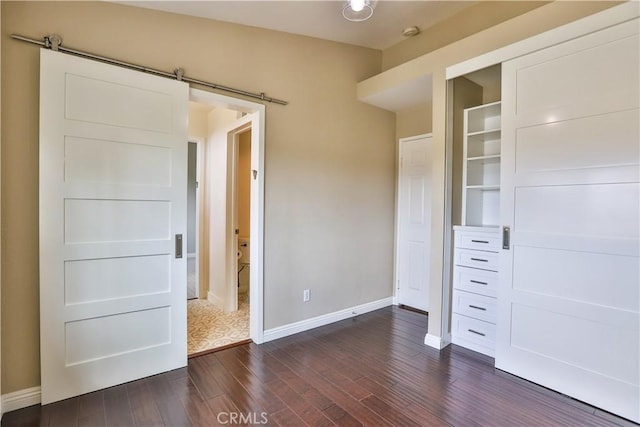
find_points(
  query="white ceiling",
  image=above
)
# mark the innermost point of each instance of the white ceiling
(322, 19)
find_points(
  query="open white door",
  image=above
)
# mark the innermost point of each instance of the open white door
(569, 284)
(414, 222)
(113, 146)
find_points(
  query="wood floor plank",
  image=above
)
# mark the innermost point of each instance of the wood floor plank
(298, 404)
(341, 398)
(91, 405)
(147, 414)
(198, 411)
(64, 413)
(203, 379)
(341, 417)
(174, 414)
(326, 366)
(116, 406)
(387, 411)
(143, 406)
(253, 363)
(370, 370)
(234, 390)
(96, 420)
(184, 389)
(222, 408)
(250, 382)
(286, 417)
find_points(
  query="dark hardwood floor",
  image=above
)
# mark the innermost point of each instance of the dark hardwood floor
(372, 370)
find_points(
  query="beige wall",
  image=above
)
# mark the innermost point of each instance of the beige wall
(198, 129)
(198, 121)
(329, 159)
(415, 121)
(469, 21)
(219, 122)
(244, 184)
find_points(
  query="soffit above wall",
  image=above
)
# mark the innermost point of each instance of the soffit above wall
(405, 96)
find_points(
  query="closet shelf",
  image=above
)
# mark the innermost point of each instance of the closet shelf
(483, 187)
(495, 133)
(492, 158)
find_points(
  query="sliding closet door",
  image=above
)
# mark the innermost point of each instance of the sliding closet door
(568, 297)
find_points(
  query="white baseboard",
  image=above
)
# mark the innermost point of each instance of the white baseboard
(305, 325)
(20, 399)
(217, 301)
(436, 342)
(395, 300)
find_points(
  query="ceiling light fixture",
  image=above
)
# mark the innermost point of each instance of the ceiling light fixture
(358, 10)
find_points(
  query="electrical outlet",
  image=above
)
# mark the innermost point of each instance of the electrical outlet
(305, 295)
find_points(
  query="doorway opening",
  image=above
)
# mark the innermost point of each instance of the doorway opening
(228, 190)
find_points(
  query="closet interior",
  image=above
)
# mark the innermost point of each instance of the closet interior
(476, 134)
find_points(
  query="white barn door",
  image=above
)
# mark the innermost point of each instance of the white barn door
(569, 284)
(113, 146)
(414, 222)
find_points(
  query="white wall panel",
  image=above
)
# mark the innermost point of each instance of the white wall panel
(98, 101)
(90, 221)
(94, 160)
(95, 280)
(576, 144)
(595, 346)
(101, 337)
(600, 76)
(610, 210)
(595, 278)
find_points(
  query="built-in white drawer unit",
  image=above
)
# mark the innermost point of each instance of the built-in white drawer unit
(474, 334)
(476, 259)
(475, 283)
(474, 305)
(481, 241)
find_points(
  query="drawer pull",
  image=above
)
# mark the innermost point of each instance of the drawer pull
(479, 241)
(477, 308)
(479, 259)
(478, 282)
(476, 332)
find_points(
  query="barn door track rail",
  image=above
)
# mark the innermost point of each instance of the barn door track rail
(54, 42)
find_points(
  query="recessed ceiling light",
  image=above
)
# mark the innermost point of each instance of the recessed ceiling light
(411, 31)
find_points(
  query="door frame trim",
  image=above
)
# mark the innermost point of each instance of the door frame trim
(256, 258)
(233, 143)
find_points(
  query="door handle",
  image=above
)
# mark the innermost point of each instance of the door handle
(506, 237)
(178, 245)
